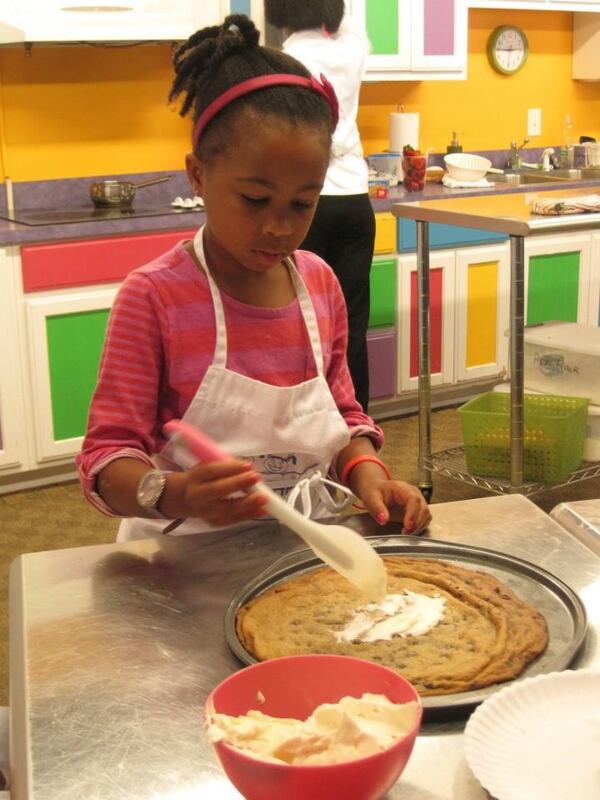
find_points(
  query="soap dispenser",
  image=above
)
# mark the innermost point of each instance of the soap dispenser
(454, 146)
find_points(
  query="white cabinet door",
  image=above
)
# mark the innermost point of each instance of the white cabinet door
(482, 311)
(594, 292)
(574, 5)
(557, 278)
(517, 4)
(13, 430)
(441, 293)
(439, 36)
(538, 5)
(388, 25)
(66, 333)
(586, 47)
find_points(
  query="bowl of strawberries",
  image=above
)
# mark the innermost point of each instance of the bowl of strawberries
(414, 165)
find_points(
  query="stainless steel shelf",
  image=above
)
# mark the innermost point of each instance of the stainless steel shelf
(452, 464)
(509, 214)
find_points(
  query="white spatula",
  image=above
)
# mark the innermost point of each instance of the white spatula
(342, 548)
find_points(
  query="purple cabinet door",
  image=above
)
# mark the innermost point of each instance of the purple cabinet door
(438, 27)
(383, 368)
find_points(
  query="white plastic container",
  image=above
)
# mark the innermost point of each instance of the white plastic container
(386, 165)
(563, 358)
(591, 444)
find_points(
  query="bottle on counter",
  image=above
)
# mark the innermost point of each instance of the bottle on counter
(454, 146)
(567, 149)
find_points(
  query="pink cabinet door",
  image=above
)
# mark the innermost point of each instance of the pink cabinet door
(436, 313)
(440, 35)
(92, 261)
(441, 323)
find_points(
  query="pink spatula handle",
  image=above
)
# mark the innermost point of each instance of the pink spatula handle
(197, 442)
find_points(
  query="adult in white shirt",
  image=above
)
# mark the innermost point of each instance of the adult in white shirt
(331, 43)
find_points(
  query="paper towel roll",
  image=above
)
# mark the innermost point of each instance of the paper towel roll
(404, 129)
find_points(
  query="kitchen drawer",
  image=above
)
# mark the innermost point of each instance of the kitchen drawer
(82, 263)
(385, 232)
(443, 236)
(383, 293)
(382, 363)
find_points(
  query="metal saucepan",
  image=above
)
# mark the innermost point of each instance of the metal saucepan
(119, 193)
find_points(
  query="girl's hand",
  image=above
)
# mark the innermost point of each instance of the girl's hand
(216, 492)
(387, 500)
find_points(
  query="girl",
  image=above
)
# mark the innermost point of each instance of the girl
(238, 332)
(343, 228)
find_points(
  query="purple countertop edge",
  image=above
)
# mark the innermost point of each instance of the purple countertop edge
(75, 192)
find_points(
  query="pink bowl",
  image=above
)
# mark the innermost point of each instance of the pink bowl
(293, 687)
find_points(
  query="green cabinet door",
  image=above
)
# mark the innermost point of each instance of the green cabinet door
(383, 293)
(382, 26)
(74, 347)
(553, 287)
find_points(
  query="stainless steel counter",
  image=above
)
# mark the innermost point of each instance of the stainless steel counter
(506, 213)
(582, 519)
(113, 650)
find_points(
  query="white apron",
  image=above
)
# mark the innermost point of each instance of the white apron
(291, 434)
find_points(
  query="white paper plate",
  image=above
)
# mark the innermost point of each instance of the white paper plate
(539, 739)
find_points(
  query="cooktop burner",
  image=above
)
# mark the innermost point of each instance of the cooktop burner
(60, 216)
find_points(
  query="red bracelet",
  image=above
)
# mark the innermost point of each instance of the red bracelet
(349, 466)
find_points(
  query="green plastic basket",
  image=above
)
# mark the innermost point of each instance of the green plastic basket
(555, 429)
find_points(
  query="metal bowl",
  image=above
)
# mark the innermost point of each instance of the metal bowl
(112, 193)
(119, 193)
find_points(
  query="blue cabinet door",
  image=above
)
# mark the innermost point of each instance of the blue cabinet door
(240, 7)
(441, 236)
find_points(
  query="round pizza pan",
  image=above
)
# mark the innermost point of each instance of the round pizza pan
(560, 605)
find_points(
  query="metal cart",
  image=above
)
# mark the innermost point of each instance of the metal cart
(509, 214)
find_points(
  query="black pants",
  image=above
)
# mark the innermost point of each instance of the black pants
(343, 234)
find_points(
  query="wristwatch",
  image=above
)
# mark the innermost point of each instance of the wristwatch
(150, 489)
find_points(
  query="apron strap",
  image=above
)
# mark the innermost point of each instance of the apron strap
(220, 356)
(313, 489)
(308, 313)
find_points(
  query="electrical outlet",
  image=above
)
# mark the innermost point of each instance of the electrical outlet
(534, 122)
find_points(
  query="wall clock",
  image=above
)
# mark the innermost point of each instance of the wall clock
(507, 49)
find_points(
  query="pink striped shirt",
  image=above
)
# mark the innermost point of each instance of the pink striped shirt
(160, 342)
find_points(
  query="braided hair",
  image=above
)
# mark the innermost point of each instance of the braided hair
(219, 57)
(304, 15)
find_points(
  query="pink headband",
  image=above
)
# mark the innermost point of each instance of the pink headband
(323, 87)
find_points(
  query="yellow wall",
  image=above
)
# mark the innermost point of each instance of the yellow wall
(81, 111)
(76, 111)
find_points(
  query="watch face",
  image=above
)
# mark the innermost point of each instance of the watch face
(507, 49)
(150, 488)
